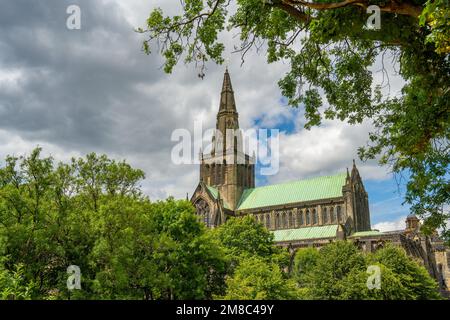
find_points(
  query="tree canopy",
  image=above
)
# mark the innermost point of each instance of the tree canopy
(331, 53)
(340, 271)
(92, 214)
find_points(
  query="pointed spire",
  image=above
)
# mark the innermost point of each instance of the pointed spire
(227, 96)
(355, 172)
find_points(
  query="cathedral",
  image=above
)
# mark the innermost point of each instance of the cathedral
(301, 213)
(325, 205)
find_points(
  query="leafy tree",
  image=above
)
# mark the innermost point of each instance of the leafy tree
(91, 213)
(304, 260)
(13, 285)
(256, 268)
(330, 277)
(339, 271)
(258, 279)
(414, 278)
(155, 250)
(244, 236)
(331, 53)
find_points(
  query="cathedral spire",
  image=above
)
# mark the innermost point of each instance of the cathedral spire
(227, 117)
(227, 102)
(355, 172)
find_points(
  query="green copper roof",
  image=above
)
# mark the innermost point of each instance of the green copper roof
(328, 231)
(215, 193)
(366, 233)
(291, 192)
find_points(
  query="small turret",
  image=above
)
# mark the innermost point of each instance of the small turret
(412, 223)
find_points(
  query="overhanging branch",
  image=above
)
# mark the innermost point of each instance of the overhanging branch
(291, 7)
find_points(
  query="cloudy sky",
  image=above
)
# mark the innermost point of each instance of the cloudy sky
(78, 91)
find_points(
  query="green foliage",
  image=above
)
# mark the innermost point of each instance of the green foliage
(339, 271)
(415, 281)
(305, 260)
(252, 259)
(244, 237)
(13, 285)
(331, 55)
(436, 15)
(257, 279)
(91, 213)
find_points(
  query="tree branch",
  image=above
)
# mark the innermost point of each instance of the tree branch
(403, 8)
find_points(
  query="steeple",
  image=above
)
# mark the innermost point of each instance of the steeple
(227, 117)
(355, 172)
(227, 102)
(227, 120)
(227, 168)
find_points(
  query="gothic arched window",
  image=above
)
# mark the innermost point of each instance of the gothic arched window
(307, 217)
(204, 212)
(314, 217)
(224, 168)
(268, 220)
(332, 216)
(324, 215)
(285, 220)
(291, 220)
(206, 174)
(339, 214)
(300, 217)
(276, 221)
(213, 174)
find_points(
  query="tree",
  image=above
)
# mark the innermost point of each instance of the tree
(256, 268)
(92, 214)
(243, 237)
(336, 263)
(331, 52)
(339, 271)
(155, 251)
(414, 278)
(257, 279)
(13, 285)
(304, 260)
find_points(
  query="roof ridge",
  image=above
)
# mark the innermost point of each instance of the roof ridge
(314, 188)
(301, 180)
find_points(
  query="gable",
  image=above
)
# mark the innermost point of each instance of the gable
(292, 192)
(212, 193)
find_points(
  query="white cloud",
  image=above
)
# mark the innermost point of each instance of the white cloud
(104, 95)
(322, 150)
(394, 225)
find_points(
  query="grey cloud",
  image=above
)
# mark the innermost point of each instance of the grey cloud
(76, 84)
(94, 90)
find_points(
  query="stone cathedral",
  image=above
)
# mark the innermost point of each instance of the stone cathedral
(322, 205)
(300, 213)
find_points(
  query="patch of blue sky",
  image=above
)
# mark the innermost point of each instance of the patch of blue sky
(386, 200)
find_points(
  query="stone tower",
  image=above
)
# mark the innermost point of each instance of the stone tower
(356, 202)
(412, 223)
(227, 168)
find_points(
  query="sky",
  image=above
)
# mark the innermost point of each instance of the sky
(73, 92)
